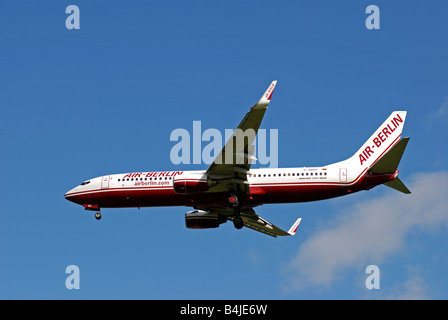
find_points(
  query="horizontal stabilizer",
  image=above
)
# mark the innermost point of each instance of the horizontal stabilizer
(388, 163)
(398, 185)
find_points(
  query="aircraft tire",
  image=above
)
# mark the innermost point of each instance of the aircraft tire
(238, 222)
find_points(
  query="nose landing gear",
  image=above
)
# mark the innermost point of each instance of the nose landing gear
(93, 207)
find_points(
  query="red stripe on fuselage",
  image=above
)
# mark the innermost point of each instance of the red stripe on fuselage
(281, 192)
(154, 197)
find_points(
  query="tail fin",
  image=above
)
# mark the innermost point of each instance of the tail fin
(383, 140)
(379, 155)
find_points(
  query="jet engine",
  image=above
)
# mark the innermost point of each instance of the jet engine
(200, 219)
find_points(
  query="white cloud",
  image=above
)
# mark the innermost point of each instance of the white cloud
(254, 257)
(443, 109)
(369, 232)
(441, 112)
(414, 288)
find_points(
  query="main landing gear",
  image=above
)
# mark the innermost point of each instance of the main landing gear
(238, 222)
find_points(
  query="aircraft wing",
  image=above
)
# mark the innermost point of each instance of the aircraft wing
(231, 165)
(257, 223)
(251, 220)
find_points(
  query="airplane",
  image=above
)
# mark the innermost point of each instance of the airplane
(230, 189)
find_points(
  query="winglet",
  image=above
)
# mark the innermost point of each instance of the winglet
(266, 97)
(293, 229)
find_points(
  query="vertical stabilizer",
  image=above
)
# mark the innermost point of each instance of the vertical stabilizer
(384, 138)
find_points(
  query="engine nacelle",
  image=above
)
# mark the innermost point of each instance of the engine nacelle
(190, 183)
(200, 219)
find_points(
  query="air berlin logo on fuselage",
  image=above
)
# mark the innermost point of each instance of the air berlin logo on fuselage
(153, 174)
(380, 138)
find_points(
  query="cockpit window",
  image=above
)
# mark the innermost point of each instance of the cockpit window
(85, 182)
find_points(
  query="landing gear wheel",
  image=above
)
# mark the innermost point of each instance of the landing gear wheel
(98, 215)
(238, 222)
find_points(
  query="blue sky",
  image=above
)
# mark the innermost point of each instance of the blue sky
(104, 99)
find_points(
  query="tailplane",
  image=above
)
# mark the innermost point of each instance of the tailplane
(398, 185)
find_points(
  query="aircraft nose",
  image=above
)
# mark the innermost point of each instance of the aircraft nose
(69, 194)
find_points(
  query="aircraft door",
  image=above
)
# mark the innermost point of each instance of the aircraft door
(343, 174)
(105, 182)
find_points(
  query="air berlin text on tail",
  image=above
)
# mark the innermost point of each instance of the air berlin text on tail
(382, 136)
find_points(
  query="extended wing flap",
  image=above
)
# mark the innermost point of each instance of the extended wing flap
(255, 222)
(250, 219)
